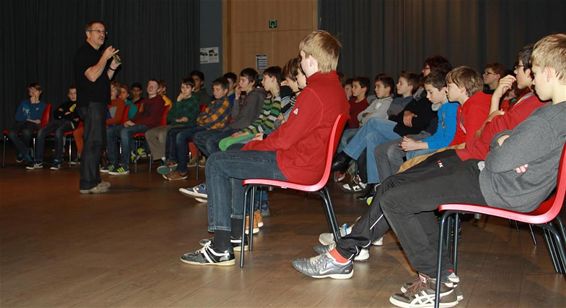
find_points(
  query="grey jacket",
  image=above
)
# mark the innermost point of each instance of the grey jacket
(538, 142)
(246, 110)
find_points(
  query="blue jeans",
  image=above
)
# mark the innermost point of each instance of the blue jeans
(347, 135)
(59, 127)
(125, 136)
(21, 136)
(182, 140)
(375, 132)
(224, 174)
(207, 141)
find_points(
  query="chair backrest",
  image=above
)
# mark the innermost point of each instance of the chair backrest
(550, 208)
(333, 141)
(46, 115)
(125, 113)
(164, 115)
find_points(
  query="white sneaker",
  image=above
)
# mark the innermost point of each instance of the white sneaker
(378, 242)
(363, 255)
(328, 238)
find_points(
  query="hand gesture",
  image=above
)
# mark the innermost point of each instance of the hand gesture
(505, 84)
(109, 52)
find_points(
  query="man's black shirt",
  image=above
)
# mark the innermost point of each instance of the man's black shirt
(88, 91)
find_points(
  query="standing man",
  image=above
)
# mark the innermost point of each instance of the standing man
(92, 77)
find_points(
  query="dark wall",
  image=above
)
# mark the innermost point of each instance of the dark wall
(157, 39)
(211, 36)
(390, 36)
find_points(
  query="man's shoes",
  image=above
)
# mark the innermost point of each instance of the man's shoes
(119, 171)
(75, 161)
(324, 266)
(176, 176)
(104, 184)
(236, 243)
(208, 256)
(421, 294)
(452, 278)
(98, 189)
(56, 165)
(167, 167)
(341, 162)
(198, 191)
(108, 168)
(363, 254)
(258, 222)
(32, 166)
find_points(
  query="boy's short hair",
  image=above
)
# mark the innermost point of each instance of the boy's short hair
(223, 82)
(348, 81)
(34, 85)
(197, 73)
(386, 80)
(438, 62)
(124, 86)
(136, 85)
(250, 74)
(153, 79)
(322, 46)
(497, 68)
(72, 86)
(188, 81)
(291, 69)
(231, 76)
(273, 71)
(162, 83)
(464, 76)
(363, 81)
(412, 79)
(524, 55)
(550, 51)
(436, 78)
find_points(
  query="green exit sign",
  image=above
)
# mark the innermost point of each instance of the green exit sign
(272, 23)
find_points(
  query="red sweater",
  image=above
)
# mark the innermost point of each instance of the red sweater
(151, 112)
(478, 147)
(471, 116)
(355, 109)
(300, 143)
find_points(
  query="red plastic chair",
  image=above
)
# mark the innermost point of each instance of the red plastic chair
(543, 216)
(320, 187)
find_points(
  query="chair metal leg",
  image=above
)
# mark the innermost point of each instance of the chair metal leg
(251, 217)
(5, 139)
(551, 249)
(532, 234)
(456, 234)
(559, 248)
(245, 209)
(329, 211)
(441, 237)
(561, 229)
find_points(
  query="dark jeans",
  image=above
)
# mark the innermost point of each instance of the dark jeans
(59, 127)
(389, 155)
(207, 141)
(224, 174)
(182, 139)
(94, 117)
(409, 200)
(125, 135)
(21, 136)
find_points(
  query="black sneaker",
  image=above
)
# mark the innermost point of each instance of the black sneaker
(56, 165)
(324, 266)
(208, 256)
(236, 243)
(32, 166)
(421, 293)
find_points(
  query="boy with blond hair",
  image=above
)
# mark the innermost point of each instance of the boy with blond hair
(293, 152)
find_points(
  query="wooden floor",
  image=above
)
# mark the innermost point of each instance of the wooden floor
(62, 249)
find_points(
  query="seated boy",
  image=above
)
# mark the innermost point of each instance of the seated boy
(28, 121)
(65, 118)
(294, 152)
(442, 166)
(214, 116)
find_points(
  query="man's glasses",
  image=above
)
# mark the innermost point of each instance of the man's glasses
(98, 31)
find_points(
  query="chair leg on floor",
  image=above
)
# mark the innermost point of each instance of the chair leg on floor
(245, 210)
(551, 248)
(532, 234)
(329, 211)
(251, 217)
(456, 238)
(441, 237)
(559, 248)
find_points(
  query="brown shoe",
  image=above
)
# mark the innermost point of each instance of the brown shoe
(258, 218)
(202, 162)
(255, 230)
(176, 176)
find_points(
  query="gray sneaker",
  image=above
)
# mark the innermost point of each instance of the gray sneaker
(421, 293)
(98, 189)
(324, 266)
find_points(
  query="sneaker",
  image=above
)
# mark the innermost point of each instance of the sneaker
(98, 189)
(55, 166)
(421, 294)
(452, 278)
(195, 191)
(202, 162)
(201, 200)
(362, 255)
(141, 152)
(264, 208)
(33, 166)
(119, 171)
(236, 243)
(76, 161)
(175, 176)
(259, 218)
(324, 266)
(328, 238)
(108, 169)
(19, 159)
(256, 227)
(378, 242)
(208, 256)
(192, 162)
(104, 184)
(167, 167)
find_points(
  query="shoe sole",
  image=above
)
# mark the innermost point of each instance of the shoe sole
(254, 231)
(225, 263)
(119, 173)
(194, 194)
(399, 303)
(336, 276)
(201, 200)
(90, 191)
(165, 170)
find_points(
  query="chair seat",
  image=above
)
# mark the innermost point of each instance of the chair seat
(282, 184)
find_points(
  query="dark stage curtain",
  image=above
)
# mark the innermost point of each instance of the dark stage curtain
(394, 35)
(157, 39)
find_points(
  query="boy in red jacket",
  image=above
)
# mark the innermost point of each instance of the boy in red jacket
(294, 152)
